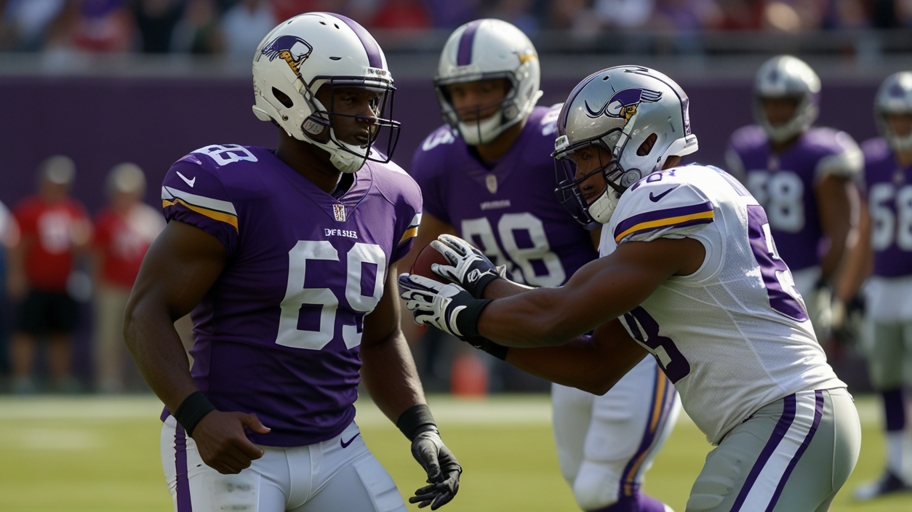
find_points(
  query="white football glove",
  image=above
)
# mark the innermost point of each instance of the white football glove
(445, 306)
(469, 267)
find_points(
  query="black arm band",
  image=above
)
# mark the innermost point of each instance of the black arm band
(192, 410)
(413, 419)
(498, 351)
(467, 321)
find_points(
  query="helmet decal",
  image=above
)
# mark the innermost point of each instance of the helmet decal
(624, 104)
(292, 49)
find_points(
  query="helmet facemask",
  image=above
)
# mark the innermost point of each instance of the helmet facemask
(483, 130)
(894, 97)
(318, 128)
(617, 180)
(489, 49)
(787, 77)
(311, 50)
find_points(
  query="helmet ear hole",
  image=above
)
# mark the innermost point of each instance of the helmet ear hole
(647, 145)
(283, 98)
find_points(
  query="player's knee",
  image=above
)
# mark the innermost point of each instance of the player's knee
(596, 488)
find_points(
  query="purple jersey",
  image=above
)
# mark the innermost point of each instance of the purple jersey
(510, 212)
(784, 183)
(890, 203)
(278, 334)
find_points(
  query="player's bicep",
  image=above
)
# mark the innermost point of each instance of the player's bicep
(383, 321)
(619, 282)
(838, 208)
(179, 268)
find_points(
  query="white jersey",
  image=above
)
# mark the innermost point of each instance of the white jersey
(735, 335)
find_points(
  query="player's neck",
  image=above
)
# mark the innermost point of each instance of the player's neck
(495, 150)
(779, 147)
(903, 158)
(309, 161)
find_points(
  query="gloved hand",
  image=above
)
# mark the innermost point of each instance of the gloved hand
(442, 469)
(445, 306)
(820, 310)
(469, 267)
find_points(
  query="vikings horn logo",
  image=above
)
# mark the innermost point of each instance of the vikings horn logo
(623, 104)
(291, 49)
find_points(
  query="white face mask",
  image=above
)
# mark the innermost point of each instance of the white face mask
(482, 132)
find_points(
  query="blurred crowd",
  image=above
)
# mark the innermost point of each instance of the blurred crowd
(234, 27)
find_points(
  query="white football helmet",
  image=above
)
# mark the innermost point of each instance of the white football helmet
(787, 77)
(302, 54)
(894, 97)
(618, 109)
(481, 50)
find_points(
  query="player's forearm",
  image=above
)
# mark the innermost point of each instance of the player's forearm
(157, 351)
(502, 288)
(581, 363)
(389, 374)
(531, 319)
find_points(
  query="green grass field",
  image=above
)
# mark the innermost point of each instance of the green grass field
(102, 454)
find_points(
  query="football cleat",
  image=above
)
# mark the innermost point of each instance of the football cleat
(888, 483)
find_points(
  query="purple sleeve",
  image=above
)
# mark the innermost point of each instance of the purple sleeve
(194, 195)
(426, 170)
(408, 217)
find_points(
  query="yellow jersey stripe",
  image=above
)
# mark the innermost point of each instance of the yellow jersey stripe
(669, 221)
(212, 214)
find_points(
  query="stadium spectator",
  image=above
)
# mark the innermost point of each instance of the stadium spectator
(245, 25)
(198, 31)
(400, 15)
(54, 229)
(888, 344)
(155, 22)
(487, 175)
(288, 260)
(123, 232)
(689, 274)
(26, 22)
(804, 176)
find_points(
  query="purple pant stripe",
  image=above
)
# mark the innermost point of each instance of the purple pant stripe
(785, 421)
(818, 413)
(180, 463)
(634, 465)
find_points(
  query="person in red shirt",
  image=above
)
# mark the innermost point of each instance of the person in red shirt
(54, 228)
(123, 232)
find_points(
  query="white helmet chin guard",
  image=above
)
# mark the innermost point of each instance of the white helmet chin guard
(790, 78)
(482, 50)
(894, 97)
(308, 51)
(618, 109)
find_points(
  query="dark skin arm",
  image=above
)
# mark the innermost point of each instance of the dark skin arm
(593, 298)
(387, 367)
(837, 199)
(178, 270)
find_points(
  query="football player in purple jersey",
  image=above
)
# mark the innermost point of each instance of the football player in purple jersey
(804, 178)
(888, 341)
(287, 259)
(688, 274)
(488, 176)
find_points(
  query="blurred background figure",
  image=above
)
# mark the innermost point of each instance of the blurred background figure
(54, 229)
(888, 341)
(9, 237)
(803, 176)
(124, 229)
(244, 25)
(198, 31)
